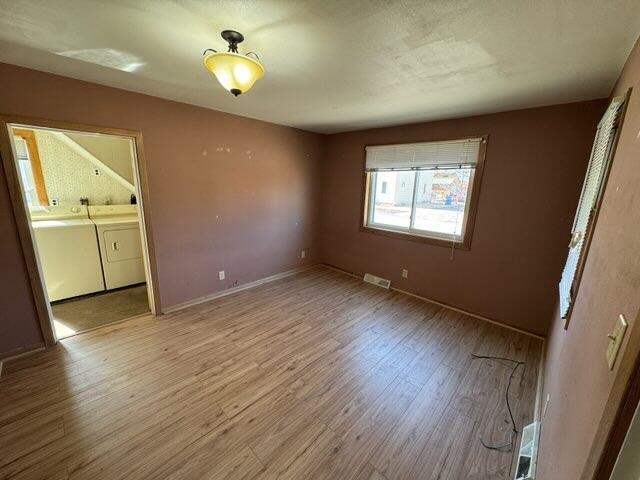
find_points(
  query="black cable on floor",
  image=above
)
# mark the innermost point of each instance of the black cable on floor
(514, 430)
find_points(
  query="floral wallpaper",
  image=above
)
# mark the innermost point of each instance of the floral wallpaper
(69, 176)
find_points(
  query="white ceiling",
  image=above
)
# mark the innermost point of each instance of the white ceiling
(336, 65)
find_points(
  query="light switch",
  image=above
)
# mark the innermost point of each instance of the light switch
(615, 340)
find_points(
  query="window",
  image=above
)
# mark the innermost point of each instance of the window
(589, 203)
(424, 191)
(29, 167)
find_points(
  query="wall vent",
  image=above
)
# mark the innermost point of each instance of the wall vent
(528, 452)
(380, 282)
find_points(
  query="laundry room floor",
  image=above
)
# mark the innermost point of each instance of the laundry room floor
(85, 313)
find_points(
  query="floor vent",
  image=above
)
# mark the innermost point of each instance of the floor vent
(381, 282)
(528, 452)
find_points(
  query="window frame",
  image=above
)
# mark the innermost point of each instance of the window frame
(595, 211)
(397, 232)
(29, 138)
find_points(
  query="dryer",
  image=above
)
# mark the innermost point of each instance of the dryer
(118, 230)
(68, 251)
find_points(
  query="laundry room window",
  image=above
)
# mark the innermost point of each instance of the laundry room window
(424, 191)
(29, 167)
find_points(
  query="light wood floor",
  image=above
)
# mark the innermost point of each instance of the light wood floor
(316, 376)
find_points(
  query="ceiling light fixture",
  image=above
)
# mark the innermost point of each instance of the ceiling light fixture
(235, 72)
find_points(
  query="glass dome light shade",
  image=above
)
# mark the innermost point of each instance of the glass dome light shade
(236, 73)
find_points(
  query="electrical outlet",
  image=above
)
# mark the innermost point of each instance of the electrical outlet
(96, 172)
(615, 340)
(303, 254)
(405, 273)
(221, 275)
(54, 202)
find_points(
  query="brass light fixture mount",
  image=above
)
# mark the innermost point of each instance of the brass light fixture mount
(236, 72)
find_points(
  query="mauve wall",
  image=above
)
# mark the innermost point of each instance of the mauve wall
(226, 192)
(577, 377)
(535, 164)
(18, 321)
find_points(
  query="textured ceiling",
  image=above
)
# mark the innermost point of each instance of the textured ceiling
(335, 65)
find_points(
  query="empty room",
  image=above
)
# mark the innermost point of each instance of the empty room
(306, 239)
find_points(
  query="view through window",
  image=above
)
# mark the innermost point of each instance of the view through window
(422, 189)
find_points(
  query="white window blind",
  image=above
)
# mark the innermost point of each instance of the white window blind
(424, 156)
(600, 157)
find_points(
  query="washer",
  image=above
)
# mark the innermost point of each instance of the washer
(68, 251)
(118, 231)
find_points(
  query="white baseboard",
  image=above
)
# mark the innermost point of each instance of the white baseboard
(471, 314)
(445, 305)
(540, 402)
(230, 291)
(21, 352)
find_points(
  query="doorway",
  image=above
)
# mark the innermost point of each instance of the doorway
(78, 194)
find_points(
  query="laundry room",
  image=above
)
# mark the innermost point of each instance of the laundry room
(82, 196)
